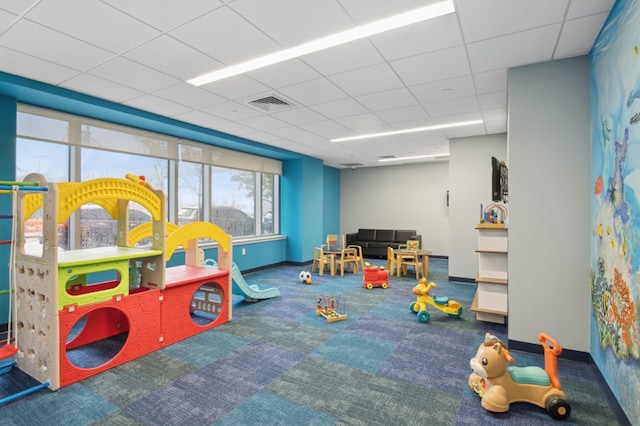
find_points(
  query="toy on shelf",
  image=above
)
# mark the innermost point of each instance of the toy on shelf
(499, 385)
(375, 276)
(442, 303)
(305, 277)
(494, 215)
(331, 308)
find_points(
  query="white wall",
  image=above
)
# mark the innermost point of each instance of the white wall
(411, 196)
(549, 208)
(470, 183)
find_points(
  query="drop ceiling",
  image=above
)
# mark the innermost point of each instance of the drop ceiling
(454, 68)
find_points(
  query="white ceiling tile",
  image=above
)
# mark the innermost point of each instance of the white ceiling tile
(36, 69)
(456, 106)
(132, 74)
(172, 57)
(433, 66)
(510, 51)
(365, 11)
(202, 119)
(437, 34)
(491, 81)
(580, 8)
(187, 94)
(95, 27)
(496, 127)
(500, 17)
(157, 105)
(232, 111)
(376, 78)
(18, 7)
(44, 43)
(578, 35)
(284, 74)
(493, 100)
(328, 129)
(350, 56)
(313, 92)
(364, 123)
(237, 87)
(341, 108)
(6, 19)
(402, 115)
(264, 123)
(465, 131)
(101, 88)
(225, 36)
(389, 99)
(499, 114)
(444, 90)
(291, 23)
(164, 14)
(298, 116)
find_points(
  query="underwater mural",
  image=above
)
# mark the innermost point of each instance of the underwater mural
(615, 204)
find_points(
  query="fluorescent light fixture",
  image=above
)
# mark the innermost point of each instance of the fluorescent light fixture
(387, 24)
(412, 130)
(413, 157)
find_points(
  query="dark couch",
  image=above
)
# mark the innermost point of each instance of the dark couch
(374, 242)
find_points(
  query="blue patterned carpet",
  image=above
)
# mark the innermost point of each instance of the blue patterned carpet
(278, 363)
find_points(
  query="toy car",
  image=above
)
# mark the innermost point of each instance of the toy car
(375, 276)
(441, 303)
(499, 385)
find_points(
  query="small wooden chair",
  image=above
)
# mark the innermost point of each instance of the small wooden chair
(348, 259)
(408, 258)
(391, 260)
(321, 261)
(360, 259)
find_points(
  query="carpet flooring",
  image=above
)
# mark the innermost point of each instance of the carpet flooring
(278, 363)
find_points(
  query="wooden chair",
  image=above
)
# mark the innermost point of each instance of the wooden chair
(408, 258)
(360, 259)
(391, 260)
(348, 259)
(321, 261)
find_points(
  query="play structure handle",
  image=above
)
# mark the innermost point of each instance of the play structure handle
(551, 357)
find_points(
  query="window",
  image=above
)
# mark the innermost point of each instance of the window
(67, 148)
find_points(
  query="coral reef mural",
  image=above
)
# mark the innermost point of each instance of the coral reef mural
(615, 205)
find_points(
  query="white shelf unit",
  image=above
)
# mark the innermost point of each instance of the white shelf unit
(491, 300)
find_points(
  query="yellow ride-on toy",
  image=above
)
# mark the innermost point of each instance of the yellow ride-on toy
(441, 303)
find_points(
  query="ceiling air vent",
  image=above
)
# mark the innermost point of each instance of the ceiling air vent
(270, 104)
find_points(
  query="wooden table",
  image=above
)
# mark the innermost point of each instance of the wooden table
(422, 254)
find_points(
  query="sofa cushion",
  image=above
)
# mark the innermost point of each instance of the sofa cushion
(385, 235)
(403, 235)
(379, 244)
(366, 234)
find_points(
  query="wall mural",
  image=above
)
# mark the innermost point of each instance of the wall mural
(615, 204)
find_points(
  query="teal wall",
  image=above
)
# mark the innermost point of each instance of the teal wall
(331, 201)
(302, 189)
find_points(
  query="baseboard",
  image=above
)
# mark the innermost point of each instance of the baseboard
(462, 279)
(578, 356)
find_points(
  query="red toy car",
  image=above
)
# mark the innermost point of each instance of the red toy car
(375, 276)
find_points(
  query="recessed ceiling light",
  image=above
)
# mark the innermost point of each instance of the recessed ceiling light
(387, 24)
(412, 130)
(413, 157)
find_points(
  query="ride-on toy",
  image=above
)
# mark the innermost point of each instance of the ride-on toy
(441, 303)
(375, 276)
(499, 385)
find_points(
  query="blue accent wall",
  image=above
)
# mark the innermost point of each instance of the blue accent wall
(331, 201)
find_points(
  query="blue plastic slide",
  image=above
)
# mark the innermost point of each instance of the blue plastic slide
(251, 293)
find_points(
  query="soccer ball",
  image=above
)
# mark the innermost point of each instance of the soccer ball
(305, 277)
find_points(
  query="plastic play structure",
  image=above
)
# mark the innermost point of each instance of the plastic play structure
(441, 303)
(375, 276)
(250, 292)
(64, 301)
(499, 385)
